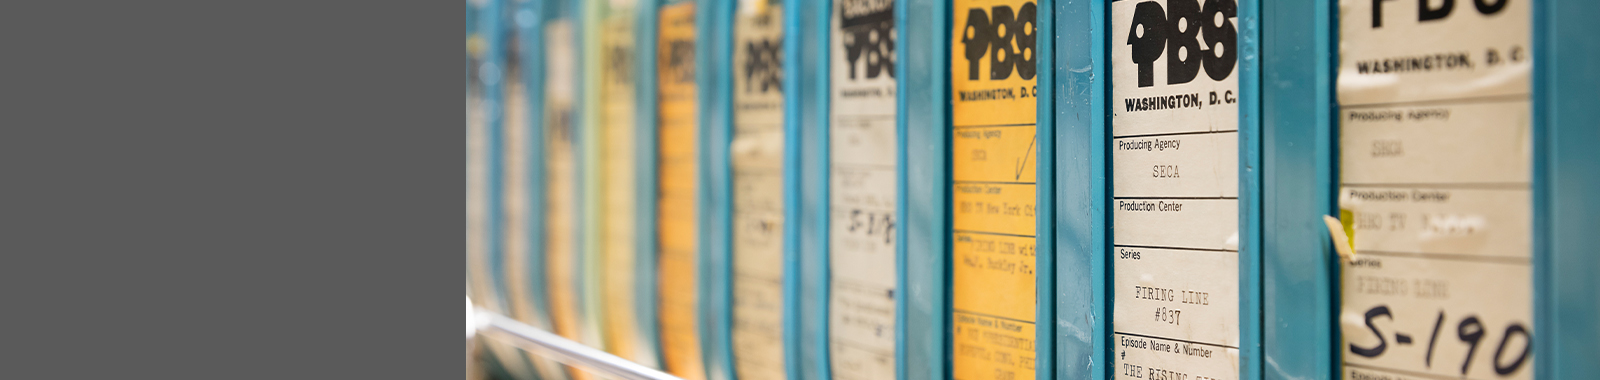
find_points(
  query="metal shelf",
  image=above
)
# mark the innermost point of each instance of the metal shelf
(543, 343)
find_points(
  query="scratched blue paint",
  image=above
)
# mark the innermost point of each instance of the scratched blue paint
(923, 112)
(1081, 120)
(714, 55)
(645, 132)
(1045, 193)
(1566, 252)
(1287, 94)
(806, 86)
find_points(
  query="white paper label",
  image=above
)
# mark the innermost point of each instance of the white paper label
(1436, 179)
(757, 154)
(862, 193)
(1175, 189)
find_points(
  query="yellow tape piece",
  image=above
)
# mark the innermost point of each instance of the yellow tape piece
(1343, 234)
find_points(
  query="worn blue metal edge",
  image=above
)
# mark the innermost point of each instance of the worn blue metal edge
(475, 27)
(816, 40)
(493, 29)
(806, 89)
(646, 291)
(1045, 193)
(1288, 59)
(902, 202)
(713, 55)
(792, 186)
(1249, 202)
(924, 114)
(1566, 179)
(1080, 122)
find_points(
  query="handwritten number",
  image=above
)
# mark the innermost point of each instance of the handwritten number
(1374, 313)
(1514, 329)
(1469, 330)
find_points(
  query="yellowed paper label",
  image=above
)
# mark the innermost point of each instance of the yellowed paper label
(618, 155)
(757, 154)
(1175, 189)
(994, 160)
(1436, 178)
(676, 210)
(862, 191)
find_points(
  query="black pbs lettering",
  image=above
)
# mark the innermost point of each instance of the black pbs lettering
(1193, 35)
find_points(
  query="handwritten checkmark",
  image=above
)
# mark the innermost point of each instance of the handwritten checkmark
(1023, 162)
